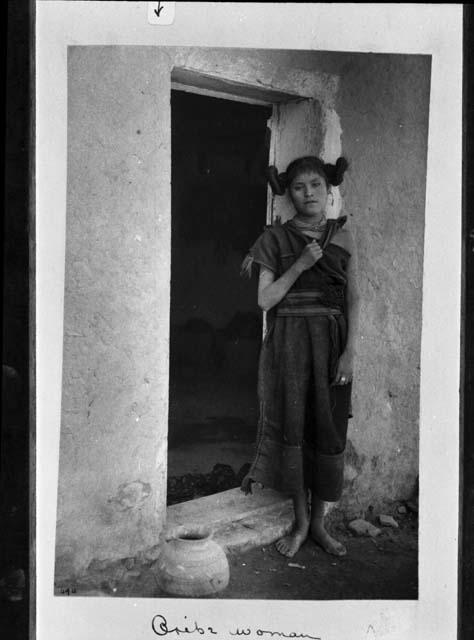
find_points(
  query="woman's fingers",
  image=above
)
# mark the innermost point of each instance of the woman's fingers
(342, 378)
(343, 371)
(315, 249)
(311, 254)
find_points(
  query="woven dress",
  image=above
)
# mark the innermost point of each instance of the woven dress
(303, 417)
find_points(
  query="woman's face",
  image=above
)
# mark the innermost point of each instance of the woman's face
(309, 194)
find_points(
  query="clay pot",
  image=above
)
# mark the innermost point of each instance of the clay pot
(192, 564)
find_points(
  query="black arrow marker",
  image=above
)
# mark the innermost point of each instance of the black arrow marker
(159, 10)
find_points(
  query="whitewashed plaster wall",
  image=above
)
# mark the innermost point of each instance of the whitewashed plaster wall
(383, 106)
(112, 469)
(113, 441)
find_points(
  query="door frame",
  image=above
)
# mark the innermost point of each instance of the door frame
(196, 82)
(191, 80)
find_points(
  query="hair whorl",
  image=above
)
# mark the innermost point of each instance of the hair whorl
(276, 180)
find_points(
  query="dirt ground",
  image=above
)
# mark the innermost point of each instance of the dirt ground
(385, 567)
(381, 568)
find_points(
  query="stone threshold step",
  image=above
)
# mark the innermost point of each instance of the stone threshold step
(238, 522)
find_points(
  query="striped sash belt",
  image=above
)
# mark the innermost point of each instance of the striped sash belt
(304, 303)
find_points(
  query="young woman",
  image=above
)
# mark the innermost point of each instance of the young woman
(308, 287)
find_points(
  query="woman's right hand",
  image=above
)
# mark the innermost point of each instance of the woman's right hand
(310, 255)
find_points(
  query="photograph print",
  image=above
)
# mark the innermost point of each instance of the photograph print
(242, 323)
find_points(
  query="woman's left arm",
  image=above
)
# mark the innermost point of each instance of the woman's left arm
(346, 361)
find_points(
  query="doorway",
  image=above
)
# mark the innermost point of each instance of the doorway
(220, 149)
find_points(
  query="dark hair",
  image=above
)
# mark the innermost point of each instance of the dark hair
(333, 174)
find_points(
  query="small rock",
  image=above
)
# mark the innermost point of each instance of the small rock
(363, 528)
(129, 563)
(97, 566)
(151, 554)
(402, 509)
(354, 515)
(135, 573)
(295, 565)
(388, 521)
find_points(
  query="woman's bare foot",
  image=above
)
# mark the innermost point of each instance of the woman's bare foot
(291, 543)
(326, 542)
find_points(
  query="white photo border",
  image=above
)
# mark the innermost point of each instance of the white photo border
(434, 30)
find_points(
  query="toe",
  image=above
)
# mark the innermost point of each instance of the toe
(281, 547)
(337, 549)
